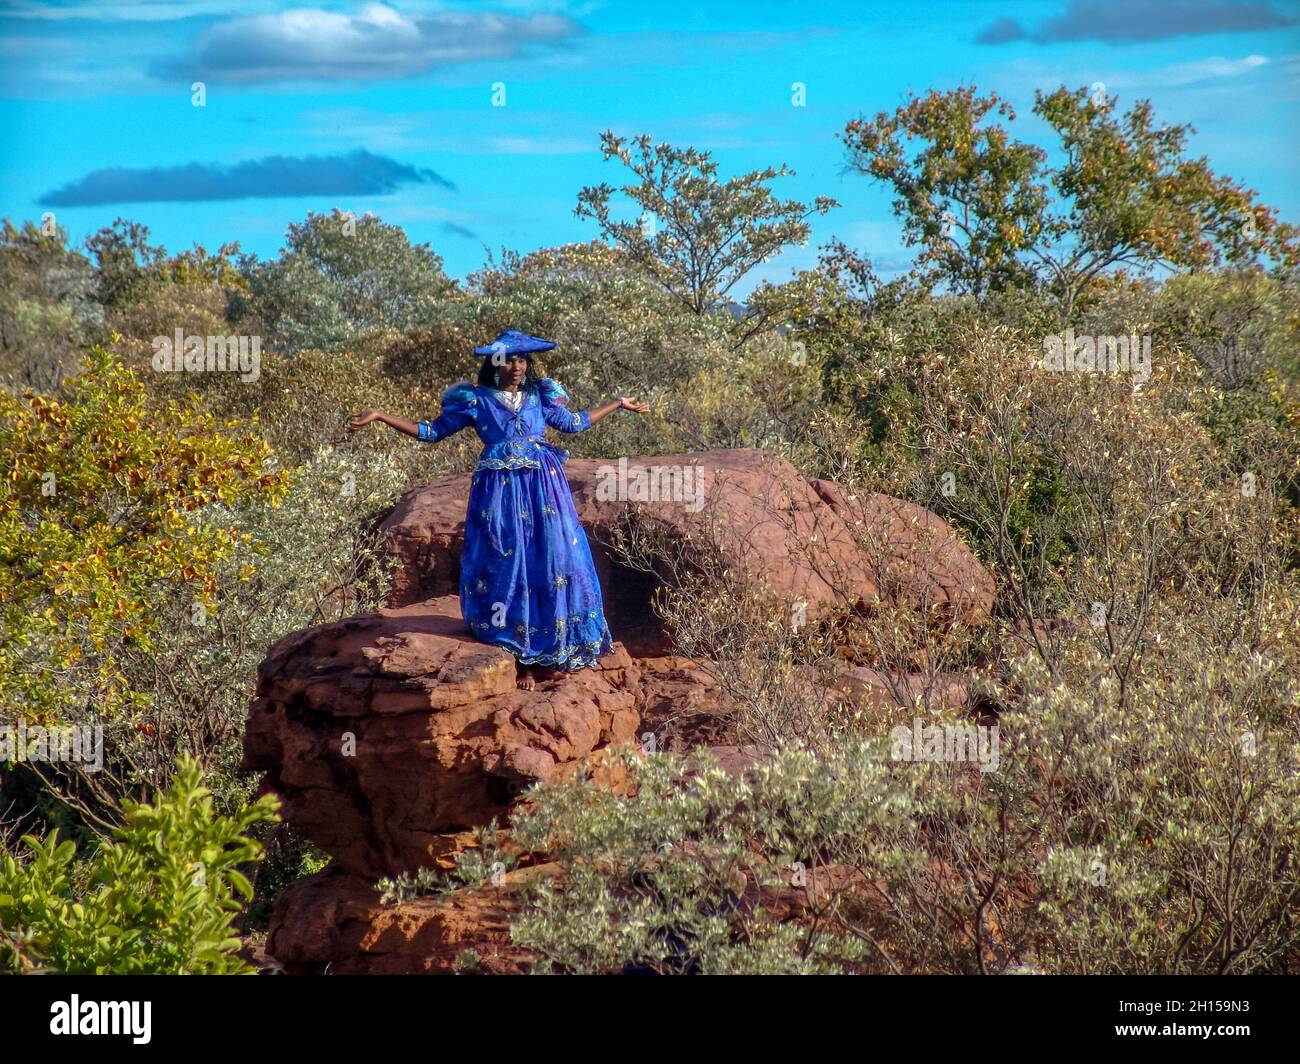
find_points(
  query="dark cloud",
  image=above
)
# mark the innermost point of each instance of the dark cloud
(1126, 21)
(354, 174)
(459, 230)
(1005, 29)
(308, 44)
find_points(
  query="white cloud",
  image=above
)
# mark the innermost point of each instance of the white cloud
(1204, 70)
(1020, 77)
(311, 44)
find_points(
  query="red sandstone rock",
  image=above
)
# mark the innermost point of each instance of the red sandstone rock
(385, 732)
(873, 688)
(911, 554)
(334, 923)
(801, 539)
(391, 734)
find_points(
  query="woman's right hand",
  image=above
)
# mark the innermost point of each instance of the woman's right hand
(360, 421)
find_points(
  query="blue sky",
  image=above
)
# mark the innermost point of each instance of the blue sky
(389, 107)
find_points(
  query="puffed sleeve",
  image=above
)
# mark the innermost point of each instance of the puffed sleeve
(459, 409)
(555, 407)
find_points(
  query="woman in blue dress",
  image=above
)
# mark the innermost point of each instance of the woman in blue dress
(527, 580)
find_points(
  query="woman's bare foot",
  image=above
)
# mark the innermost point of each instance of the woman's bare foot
(524, 679)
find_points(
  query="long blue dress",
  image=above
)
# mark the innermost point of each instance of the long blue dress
(527, 581)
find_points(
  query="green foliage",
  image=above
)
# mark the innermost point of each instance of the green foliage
(48, 306)
(1136, 198)
(289, 857)
(977, 202)
(1151, 834)
(696, 236)
(1240, 324)
(312, 559)
(1048, 474)
(125, 262)
(107, 499)
(302, 403)
(673, 880)
(160, 898)
(340, 278)
(1166, 836)
(197, 307)
(474, 867)
(971, 197)
(616, 331)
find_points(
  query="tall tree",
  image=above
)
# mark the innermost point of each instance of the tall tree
(988, 211)
(340, 277)
(125, 261)
(696, 236)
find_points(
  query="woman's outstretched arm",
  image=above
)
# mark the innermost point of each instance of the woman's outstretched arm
(625, 402)
(458, 411)
(398, 423)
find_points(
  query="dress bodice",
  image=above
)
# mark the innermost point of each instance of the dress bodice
(511, 439)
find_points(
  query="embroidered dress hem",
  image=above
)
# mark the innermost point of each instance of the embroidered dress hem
(578, 656)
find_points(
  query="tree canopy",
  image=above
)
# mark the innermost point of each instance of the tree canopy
(989, 212)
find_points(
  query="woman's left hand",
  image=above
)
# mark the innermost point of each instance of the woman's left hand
(628, 402)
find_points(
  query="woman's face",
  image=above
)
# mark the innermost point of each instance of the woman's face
(511, 372)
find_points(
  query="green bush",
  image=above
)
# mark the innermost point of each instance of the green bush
(341, 277)
(160, 898)
(1152, 830)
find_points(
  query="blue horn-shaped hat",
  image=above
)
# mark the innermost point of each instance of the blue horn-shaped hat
(513, 342)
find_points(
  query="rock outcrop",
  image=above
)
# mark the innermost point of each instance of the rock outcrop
(335, 923)
(389, 736)
(386, 733)
(803, 540)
